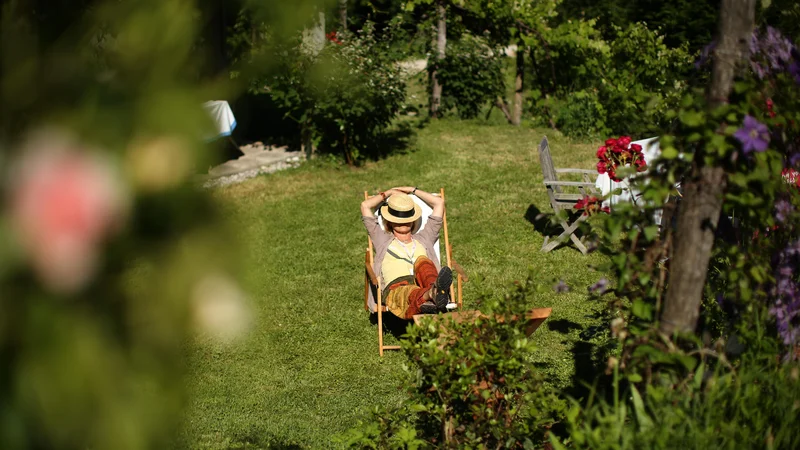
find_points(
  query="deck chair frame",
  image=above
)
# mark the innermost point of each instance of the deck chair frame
(562, 201)
(372, 280)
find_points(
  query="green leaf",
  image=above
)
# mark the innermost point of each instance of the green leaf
(688, 362)
(557, 445)
(669, 153)
(641, 414)
(698, 376)
(416, 407)
(635, 378)
(651, 232)
(692, 118)
(642, 310)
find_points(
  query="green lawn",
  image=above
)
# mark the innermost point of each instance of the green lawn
(310, 369)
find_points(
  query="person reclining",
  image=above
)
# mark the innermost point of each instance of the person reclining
(416, 283)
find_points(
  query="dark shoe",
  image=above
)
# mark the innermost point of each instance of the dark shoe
(442, 288)
(428, 308)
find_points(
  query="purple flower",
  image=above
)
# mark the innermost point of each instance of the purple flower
(704, 55)
(782, 209)
(772, 53)
(561, 287)
(600, 287)
(760, 72)
(753, 135)
(785, 307)
(794, 70)
(778, 48)
(794, 159)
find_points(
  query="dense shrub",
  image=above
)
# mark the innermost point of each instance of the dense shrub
(471, 75)
(738, 384)
(471, 385)
(580, 115)
(623, 86)
(755, 407)
(342, 97)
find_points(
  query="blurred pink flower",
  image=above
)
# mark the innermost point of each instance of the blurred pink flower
(64, 202)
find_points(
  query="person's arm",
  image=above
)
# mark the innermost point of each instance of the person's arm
(368, 206)
(436, 203)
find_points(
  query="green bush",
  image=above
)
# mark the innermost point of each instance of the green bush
(343, 98)
(758, 406)
(581, 115)
(471, 385)
(642, 81)
(623, 86)
(471, 75)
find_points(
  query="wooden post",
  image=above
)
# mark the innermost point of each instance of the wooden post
(702, 203)
(368, 262)
(447, 249)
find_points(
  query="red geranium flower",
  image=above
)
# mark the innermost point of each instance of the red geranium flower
(332, 37)
(622, 153)
(591, 205)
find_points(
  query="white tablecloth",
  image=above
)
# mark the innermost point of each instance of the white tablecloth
(221, 114)
(651, 150)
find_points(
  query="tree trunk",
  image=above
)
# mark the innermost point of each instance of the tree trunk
(306, 144)
(516, 119)
(699, 214)
(343, 16)
(441, 43)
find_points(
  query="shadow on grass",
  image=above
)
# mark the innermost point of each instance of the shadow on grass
(396, 140)
(544, 223)
(391, 323)
(563, 326)
(257, 439)
(589, 357)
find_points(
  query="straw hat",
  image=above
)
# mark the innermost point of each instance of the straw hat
(400, 208)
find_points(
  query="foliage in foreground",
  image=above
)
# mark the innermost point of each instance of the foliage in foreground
(737, 386)
(471, 385)
(757, 405)
(109, 255)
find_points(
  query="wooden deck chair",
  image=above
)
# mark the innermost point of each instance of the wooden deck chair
(561, 201)
(372, 281)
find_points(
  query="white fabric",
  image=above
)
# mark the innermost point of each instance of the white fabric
(221, 114)
(651, 150)
(426, 211)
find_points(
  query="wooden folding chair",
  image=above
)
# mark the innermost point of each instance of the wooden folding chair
(372, 281)
(561, 201)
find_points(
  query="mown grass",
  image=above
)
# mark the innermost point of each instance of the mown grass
(310, 369)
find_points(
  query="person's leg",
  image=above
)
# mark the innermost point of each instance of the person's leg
(425, 272)
(398, 300)
(427, 277)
